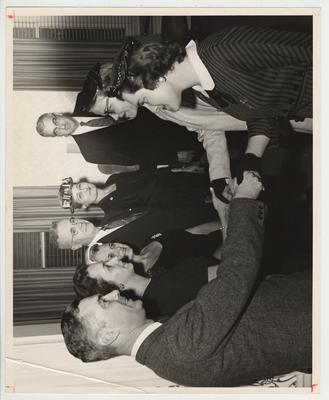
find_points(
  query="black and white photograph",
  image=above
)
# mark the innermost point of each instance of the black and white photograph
(159, 201)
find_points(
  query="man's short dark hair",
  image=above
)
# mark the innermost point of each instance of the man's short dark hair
(85, 286)
(77, 338)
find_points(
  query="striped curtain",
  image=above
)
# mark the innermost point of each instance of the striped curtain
(35, 207)
(40, 295)
(55, 65)
(56, 52)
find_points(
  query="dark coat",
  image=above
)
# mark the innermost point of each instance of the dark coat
(155, 189)
(146, 140)
(168, 200)
(156, 220)
(261, 75)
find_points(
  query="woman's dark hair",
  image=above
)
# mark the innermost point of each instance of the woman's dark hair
(149, 61)
(85, 286)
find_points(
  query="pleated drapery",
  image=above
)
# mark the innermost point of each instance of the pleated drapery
(55, 52)
(35, 207)
(40, 295)
(56, 65)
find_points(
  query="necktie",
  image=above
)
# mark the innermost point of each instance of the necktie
(104, 121)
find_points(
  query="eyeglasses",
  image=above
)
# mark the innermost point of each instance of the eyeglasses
(56, 123)
(73, 230)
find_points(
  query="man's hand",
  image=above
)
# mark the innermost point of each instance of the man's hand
(250, 187)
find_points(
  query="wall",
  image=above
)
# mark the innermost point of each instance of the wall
(37, 160)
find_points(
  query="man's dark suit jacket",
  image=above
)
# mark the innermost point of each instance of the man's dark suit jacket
(261, 75)
(168, 200)
(146, 140)
(234, 332)
(156, 220)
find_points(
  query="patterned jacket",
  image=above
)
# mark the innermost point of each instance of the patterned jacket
(261, 75)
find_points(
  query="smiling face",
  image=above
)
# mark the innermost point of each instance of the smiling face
(74, 233)
(113, 312)
(164, 95)
(54, 124)
(117, 109)
(108, 252)
(118, 273)
(84, 193)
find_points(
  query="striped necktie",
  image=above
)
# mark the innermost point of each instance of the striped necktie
(103, 121)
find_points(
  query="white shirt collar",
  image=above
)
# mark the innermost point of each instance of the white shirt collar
(205, 78)
(143, 335)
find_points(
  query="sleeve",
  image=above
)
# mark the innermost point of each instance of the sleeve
(255, 48)
(269, 127)
(220, 303)
(215, 145)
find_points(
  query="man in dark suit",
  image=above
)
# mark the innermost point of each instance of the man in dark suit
(146, 141)
(127, 226)
(160, 200)
(232, 334)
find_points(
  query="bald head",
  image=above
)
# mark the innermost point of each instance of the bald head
(55, 124)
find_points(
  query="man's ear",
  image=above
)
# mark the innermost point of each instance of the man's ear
(106, 336)
(76, 246)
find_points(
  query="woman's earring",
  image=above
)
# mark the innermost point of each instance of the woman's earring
(162, 79)
(121, 286)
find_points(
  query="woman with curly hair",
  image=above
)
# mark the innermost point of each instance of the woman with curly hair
(258, 75)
